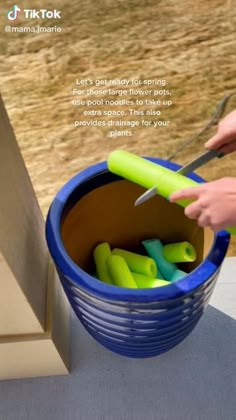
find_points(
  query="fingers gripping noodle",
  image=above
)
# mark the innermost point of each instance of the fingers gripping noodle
(149, 174)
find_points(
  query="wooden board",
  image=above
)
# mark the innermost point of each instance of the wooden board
(23, 251)
(32, 355)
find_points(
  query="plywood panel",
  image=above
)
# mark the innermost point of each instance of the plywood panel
(24, 260)
(32, 355)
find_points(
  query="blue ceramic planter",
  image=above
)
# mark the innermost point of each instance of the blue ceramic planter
(97, 206)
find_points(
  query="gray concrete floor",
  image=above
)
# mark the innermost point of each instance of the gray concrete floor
(194, 381)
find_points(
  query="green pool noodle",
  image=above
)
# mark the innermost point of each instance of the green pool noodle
(120, 272)
(149, 174)
(159, 274)
(154, 249)
(178, 275)
(138, 263)
(180, 252)
(100, 255)
(144, 282)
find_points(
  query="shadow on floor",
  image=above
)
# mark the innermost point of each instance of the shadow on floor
(196, 380)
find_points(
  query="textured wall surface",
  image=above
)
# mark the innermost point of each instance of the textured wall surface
(191, 44)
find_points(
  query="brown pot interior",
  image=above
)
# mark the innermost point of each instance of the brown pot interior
(108, 214)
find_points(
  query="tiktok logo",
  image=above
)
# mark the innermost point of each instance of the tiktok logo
(13, 13)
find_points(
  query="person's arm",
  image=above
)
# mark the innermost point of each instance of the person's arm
(225, 137)
(214, 205)
(215, 202)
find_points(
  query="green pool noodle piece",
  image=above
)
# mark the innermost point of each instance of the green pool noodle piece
(154, 249)
(179, 252)
(138, 263)
(100, 255)
(149, 174)
(120, 272)
(159, 274)
(178, 275)
(144, 282)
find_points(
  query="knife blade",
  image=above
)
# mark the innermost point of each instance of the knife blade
(188, 168)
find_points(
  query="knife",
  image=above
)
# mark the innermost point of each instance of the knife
(190, 167)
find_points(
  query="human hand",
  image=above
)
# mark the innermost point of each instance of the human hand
(214, 205)
(225, 138)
